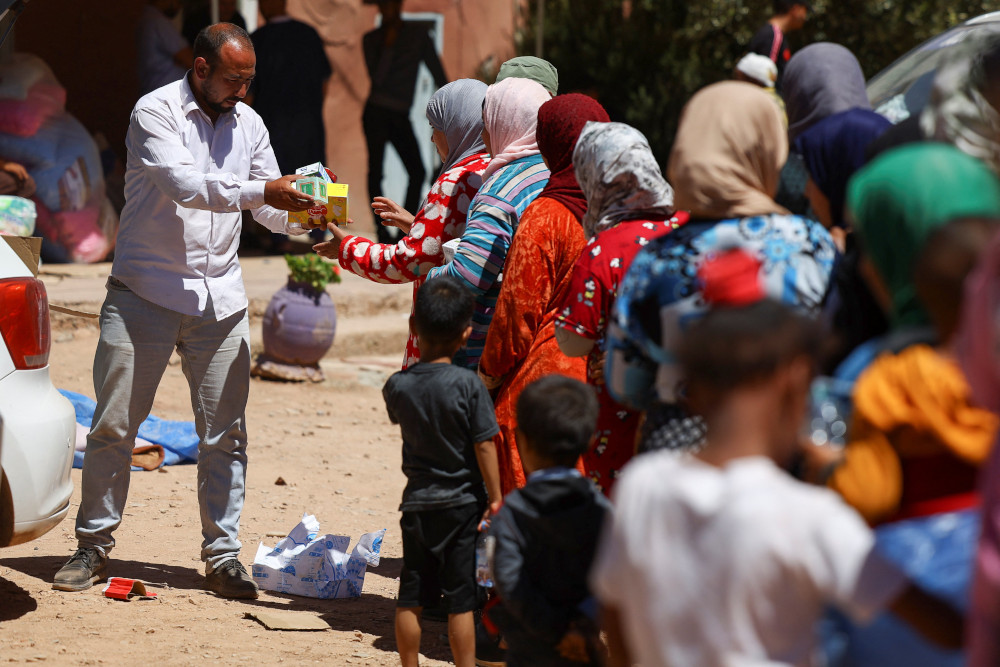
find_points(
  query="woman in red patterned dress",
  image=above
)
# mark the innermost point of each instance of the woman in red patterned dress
(521, 345)
(455, 112)
(629, 204)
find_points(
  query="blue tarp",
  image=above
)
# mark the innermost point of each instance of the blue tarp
(178, 439)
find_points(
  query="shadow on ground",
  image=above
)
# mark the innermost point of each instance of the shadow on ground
(155, 574)
(16, 601)
(369, 614)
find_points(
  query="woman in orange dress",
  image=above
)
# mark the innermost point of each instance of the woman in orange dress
(521, 345)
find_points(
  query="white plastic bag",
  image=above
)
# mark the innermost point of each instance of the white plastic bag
(316, 566)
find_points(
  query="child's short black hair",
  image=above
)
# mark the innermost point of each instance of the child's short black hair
(949, 254)
(442, 310)
(732, 347)
(782, 7)
(558, 415)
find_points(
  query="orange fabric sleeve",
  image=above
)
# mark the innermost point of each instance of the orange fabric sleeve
(871, 477)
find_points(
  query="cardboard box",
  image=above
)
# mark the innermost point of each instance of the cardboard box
(27, 248)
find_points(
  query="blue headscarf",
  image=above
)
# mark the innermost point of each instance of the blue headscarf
(834, 148)
(457, 110)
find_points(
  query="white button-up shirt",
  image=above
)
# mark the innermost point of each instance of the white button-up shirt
(186, 183)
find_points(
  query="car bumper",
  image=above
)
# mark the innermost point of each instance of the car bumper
(36, 452)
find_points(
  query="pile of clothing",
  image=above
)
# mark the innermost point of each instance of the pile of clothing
(73, 211)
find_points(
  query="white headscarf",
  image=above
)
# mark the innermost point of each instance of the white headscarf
(620, 177)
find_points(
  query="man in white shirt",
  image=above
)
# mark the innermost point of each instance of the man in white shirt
(197, 157)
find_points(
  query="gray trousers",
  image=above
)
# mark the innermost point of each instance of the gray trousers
(137, 339)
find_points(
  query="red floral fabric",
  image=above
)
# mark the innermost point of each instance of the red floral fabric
(586, 311)
(441, 219)
(521, 343)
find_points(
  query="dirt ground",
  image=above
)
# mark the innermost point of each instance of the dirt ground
(340, 458)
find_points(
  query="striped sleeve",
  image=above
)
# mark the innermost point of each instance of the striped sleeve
(480, 256)
(493, 218)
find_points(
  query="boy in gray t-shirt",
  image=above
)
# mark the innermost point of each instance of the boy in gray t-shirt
(447, 423)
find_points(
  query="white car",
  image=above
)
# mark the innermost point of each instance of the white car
(903, 88)
(37, 423)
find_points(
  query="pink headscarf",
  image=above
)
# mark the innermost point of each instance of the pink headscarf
(510, 115)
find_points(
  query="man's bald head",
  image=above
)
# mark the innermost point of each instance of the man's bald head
(209, 42)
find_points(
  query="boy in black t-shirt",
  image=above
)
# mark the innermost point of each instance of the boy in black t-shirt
(546, 533)
(447, 422)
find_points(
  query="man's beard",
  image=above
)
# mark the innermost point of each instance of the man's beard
(218, 108)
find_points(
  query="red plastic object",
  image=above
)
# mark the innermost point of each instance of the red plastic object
(731, 278)
(120, 588)
(24, 322)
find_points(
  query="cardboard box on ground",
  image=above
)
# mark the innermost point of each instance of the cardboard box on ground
(332, 208)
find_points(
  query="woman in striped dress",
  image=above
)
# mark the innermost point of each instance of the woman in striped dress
(514, 179)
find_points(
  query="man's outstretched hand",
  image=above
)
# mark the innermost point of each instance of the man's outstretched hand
(281, 194)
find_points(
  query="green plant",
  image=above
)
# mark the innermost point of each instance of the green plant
(312, 270)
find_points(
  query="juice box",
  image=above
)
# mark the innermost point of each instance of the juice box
(313, 187)
(315, 169)
(334, 209)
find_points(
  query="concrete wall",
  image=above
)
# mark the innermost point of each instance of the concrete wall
(90, 46)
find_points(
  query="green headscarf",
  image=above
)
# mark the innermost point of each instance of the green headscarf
(530, 67)
(903, 195)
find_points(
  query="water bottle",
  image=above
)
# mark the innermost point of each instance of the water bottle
(484, 554)
(829, 412)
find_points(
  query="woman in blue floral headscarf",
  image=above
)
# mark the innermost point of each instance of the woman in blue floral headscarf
(730, 147)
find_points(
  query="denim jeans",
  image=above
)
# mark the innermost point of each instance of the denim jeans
(137, 339)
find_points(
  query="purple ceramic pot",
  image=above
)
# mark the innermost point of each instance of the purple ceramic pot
(299, 324)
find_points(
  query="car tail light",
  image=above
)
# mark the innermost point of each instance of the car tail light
(24, 321)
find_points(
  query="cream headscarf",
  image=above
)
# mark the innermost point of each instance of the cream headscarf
(730, 147)
(510, 114)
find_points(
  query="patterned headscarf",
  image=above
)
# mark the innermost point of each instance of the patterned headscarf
(834, 148)
(620, 177)
(457, 110)
(904, 194)
(511, 115)
(560, 121)
(819, 81)
(957, 112)
(530, 67)
(728, 153)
